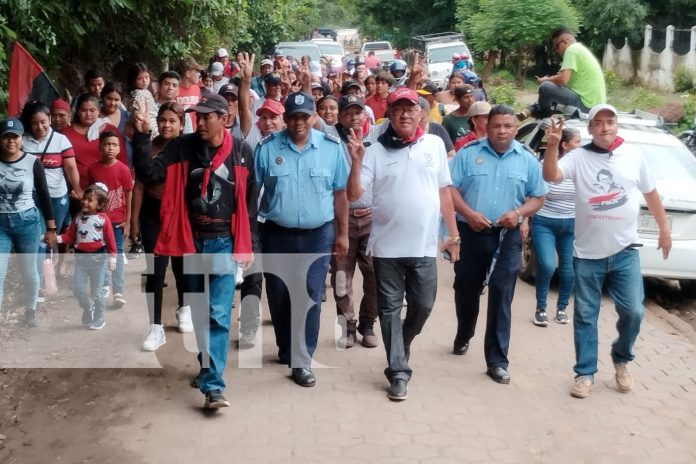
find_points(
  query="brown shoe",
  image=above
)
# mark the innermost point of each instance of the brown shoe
(369, 339)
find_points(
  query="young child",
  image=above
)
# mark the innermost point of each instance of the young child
(142, 100)
(93, 237)
(117, 178)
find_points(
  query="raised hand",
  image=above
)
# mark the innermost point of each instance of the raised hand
(246, 64)
(356, 149)
(554, 132)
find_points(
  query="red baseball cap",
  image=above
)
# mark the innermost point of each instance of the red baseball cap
(271, 105)
(403, 93)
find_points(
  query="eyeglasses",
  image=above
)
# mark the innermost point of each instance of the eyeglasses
(404, 111)
(558, 44)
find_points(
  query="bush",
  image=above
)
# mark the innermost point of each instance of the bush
(684, 80)
(687, 120)
(644, 99)
(612, 81)
(505, 94)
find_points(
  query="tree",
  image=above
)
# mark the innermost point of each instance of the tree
(604, 20)
(513, 25)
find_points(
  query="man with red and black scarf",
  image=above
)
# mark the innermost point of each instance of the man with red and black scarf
(209, 198)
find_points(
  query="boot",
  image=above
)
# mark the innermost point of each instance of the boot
(348, 337)
(369, 339)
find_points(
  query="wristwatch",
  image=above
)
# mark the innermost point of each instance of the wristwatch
(457, 240)
(520, 218)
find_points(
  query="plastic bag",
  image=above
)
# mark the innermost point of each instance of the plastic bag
(51, 287)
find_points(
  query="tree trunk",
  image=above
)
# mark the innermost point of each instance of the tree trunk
(490, 63)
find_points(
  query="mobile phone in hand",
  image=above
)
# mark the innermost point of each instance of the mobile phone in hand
(447, 255)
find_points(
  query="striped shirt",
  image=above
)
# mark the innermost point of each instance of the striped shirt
(51, 157)
(559, 202)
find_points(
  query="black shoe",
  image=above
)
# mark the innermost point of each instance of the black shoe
(87, 316)
(460, 349)
(30, 319)
(398, 390)
(215, 400)
(304, 377)
(499, 374)
(135, 250)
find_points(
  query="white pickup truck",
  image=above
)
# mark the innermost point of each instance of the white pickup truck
(383, 51)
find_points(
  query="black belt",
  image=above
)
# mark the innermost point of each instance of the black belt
(487, 231)
(278, 229)
(210, 235)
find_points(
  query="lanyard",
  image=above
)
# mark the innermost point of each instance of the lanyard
(491, 268)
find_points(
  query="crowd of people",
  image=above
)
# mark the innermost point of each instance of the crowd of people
(298, 170)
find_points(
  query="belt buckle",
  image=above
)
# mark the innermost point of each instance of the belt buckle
(360, 212)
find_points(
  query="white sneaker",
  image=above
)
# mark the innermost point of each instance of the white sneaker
(183, 317)
(119, 300)
(239, 277)
(155, 338)
(624, 380)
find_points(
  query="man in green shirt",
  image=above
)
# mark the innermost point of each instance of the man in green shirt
(579, 83)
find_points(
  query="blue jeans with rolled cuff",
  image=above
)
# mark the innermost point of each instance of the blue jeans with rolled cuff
(551, 237)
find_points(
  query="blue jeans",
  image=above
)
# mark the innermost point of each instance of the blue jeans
(621, 275)
(118, 280)
(23, 231)
(90, 269)
(551, 236)
(296, 325)
(417, 279)
(211, 306)
(60, 209)
(551, 94)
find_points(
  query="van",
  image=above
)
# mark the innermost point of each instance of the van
(437, 49)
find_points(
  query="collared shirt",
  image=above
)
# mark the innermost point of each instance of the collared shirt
(493, 184)
(299, 184)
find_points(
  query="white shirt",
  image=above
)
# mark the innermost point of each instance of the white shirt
(51, 157)
(608, 189)
(405, 185)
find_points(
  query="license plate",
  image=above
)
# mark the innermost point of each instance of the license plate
(648, 225)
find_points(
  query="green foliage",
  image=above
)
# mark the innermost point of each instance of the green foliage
(513, 25)
(612, 81)
(689, 111)
(603, 20)
(684, 80)
(644, 99)
(505, 94)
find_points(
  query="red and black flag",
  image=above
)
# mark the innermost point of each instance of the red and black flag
(28, 81)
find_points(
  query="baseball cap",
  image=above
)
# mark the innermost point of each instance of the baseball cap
(11, 126)
(222, 53)
(272, 78)
(190, 63)
(403, 93)
(299, 102)
(317, 85)
(266, 62)
(228, 89)
(478, 108)
(428, 88)
(216, 69)
(602, 107)
(60, 104)
(274, 106)
(423, 103)
(347, 101)
(212, 104)
(349, 84)
(278, 54)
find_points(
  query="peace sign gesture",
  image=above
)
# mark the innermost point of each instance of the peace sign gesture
(554, 132)
(356, 149)
(246, 64)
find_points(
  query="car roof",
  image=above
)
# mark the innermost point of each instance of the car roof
(632, 132)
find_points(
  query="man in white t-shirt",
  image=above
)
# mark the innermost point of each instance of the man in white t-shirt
(609, 180)
(406, 171)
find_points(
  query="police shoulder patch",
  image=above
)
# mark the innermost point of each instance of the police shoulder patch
(267, 138)
(333, 138)
(472, 143)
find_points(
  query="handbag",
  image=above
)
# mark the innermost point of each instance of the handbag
(51, 288)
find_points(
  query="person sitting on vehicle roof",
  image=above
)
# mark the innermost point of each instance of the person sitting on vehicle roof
(579, 83)
(371, 61)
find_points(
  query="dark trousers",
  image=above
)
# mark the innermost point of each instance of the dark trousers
(343, 269)
(295, 265)
(417, 278)
(157, 265)
(249, 312)
(477, 251)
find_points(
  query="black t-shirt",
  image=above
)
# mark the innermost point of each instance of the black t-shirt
(212, 211)
(439, 130)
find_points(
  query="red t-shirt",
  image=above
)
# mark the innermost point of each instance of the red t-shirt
(378, 105)
(87, 153)
(189, 97)
(117, 178)
(464, 139)
(371, 61)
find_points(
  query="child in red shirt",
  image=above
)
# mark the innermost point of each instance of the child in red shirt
(117, 178)
(93, 237)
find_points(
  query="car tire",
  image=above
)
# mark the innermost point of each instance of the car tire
(528, 262)
(688, 287)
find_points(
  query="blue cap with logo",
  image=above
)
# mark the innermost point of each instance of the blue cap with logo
(299, 102)
(11, 126)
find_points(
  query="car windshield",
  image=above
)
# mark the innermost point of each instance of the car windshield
(439, 55)
(377, 46)
(330, 49)
(298, 51)
(675, 164)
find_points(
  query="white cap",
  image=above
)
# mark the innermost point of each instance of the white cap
(216, 69)
(222, 52)
(266, 62)
(602, 107)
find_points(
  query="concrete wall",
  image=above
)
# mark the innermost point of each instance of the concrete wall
(645, 66)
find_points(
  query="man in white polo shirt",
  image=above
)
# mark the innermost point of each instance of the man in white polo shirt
(609, 180)
(406, 171)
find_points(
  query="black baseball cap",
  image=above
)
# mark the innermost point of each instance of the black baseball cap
(211, 104)
(347, 101)
(228, 89)
(11, 126)
(299, 102)
(348, 84)
(272, 78)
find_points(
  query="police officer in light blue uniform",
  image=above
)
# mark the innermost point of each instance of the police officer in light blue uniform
(304, 210)
(496, 183)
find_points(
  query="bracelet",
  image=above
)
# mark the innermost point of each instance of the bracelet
(518, 212)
